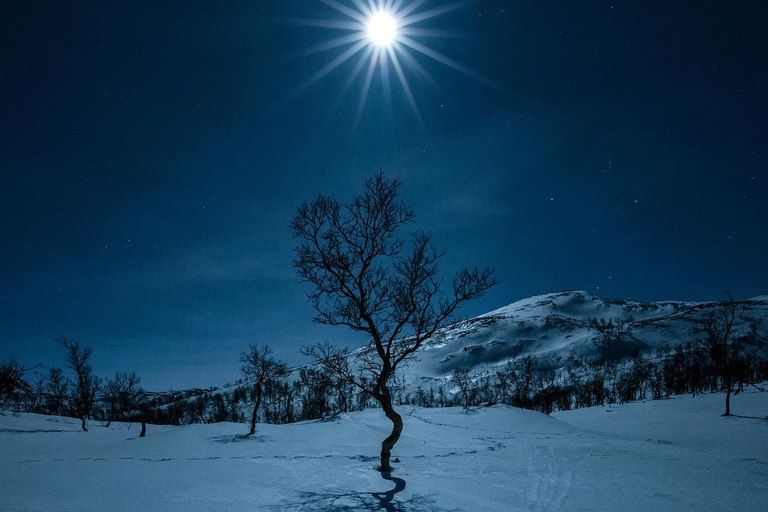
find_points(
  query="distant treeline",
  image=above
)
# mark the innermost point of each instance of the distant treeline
(686, 369)
(715, 359)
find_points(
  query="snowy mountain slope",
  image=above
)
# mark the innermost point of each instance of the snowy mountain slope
(676, 455)
(556, 327)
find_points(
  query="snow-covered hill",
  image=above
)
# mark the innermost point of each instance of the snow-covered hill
(555, 328)
(669, 455)
(560, 330)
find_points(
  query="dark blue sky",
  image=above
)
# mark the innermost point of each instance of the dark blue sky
(153, 153)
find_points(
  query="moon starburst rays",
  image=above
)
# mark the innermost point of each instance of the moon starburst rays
(333, 43)
(385, 31)
(338, 61)
(366, 85)
(404, 84)
(431, 13)
(362, 17)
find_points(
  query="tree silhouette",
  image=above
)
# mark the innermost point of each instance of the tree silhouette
(86, 383)
(727, 346)
(369, 280)
(260, 366)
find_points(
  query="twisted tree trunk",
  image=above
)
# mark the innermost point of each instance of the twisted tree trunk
(385, 399)
(255, 409)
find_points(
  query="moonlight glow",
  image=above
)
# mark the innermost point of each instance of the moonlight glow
(383, 37)
(382, 29)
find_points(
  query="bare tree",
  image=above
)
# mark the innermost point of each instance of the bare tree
(86, 383)
(463, 380)
(371, 281)
(57, 387)
(37, 403)
(261, 367)
(726, 345)
(111, 395)
(517, 380)
(334, 372)
(122, 395)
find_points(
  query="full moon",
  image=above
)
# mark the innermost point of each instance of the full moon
(382, 28)
(383, 37)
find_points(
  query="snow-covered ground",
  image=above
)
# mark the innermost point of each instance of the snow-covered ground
(671, 455)
(555, 328)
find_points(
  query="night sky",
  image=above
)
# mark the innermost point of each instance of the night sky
(153, 153)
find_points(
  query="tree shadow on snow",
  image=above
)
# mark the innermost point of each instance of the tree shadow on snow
(239, 438)
(339, 501)
(764, 418)
(34, 431)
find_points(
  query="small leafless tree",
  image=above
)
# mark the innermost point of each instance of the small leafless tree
(122, 395)
(369, 280)
(726, 345)
(57, 387)
(334, 371)
(261, 367)
(516, 381)
(463, 381)
(86, 383)
(37, 395)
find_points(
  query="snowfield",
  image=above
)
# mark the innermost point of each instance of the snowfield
(675, 455)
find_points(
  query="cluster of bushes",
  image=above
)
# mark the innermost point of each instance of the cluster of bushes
(306, 395)
(685, 370)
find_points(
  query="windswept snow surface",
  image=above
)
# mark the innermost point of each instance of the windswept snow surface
(675, 455)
